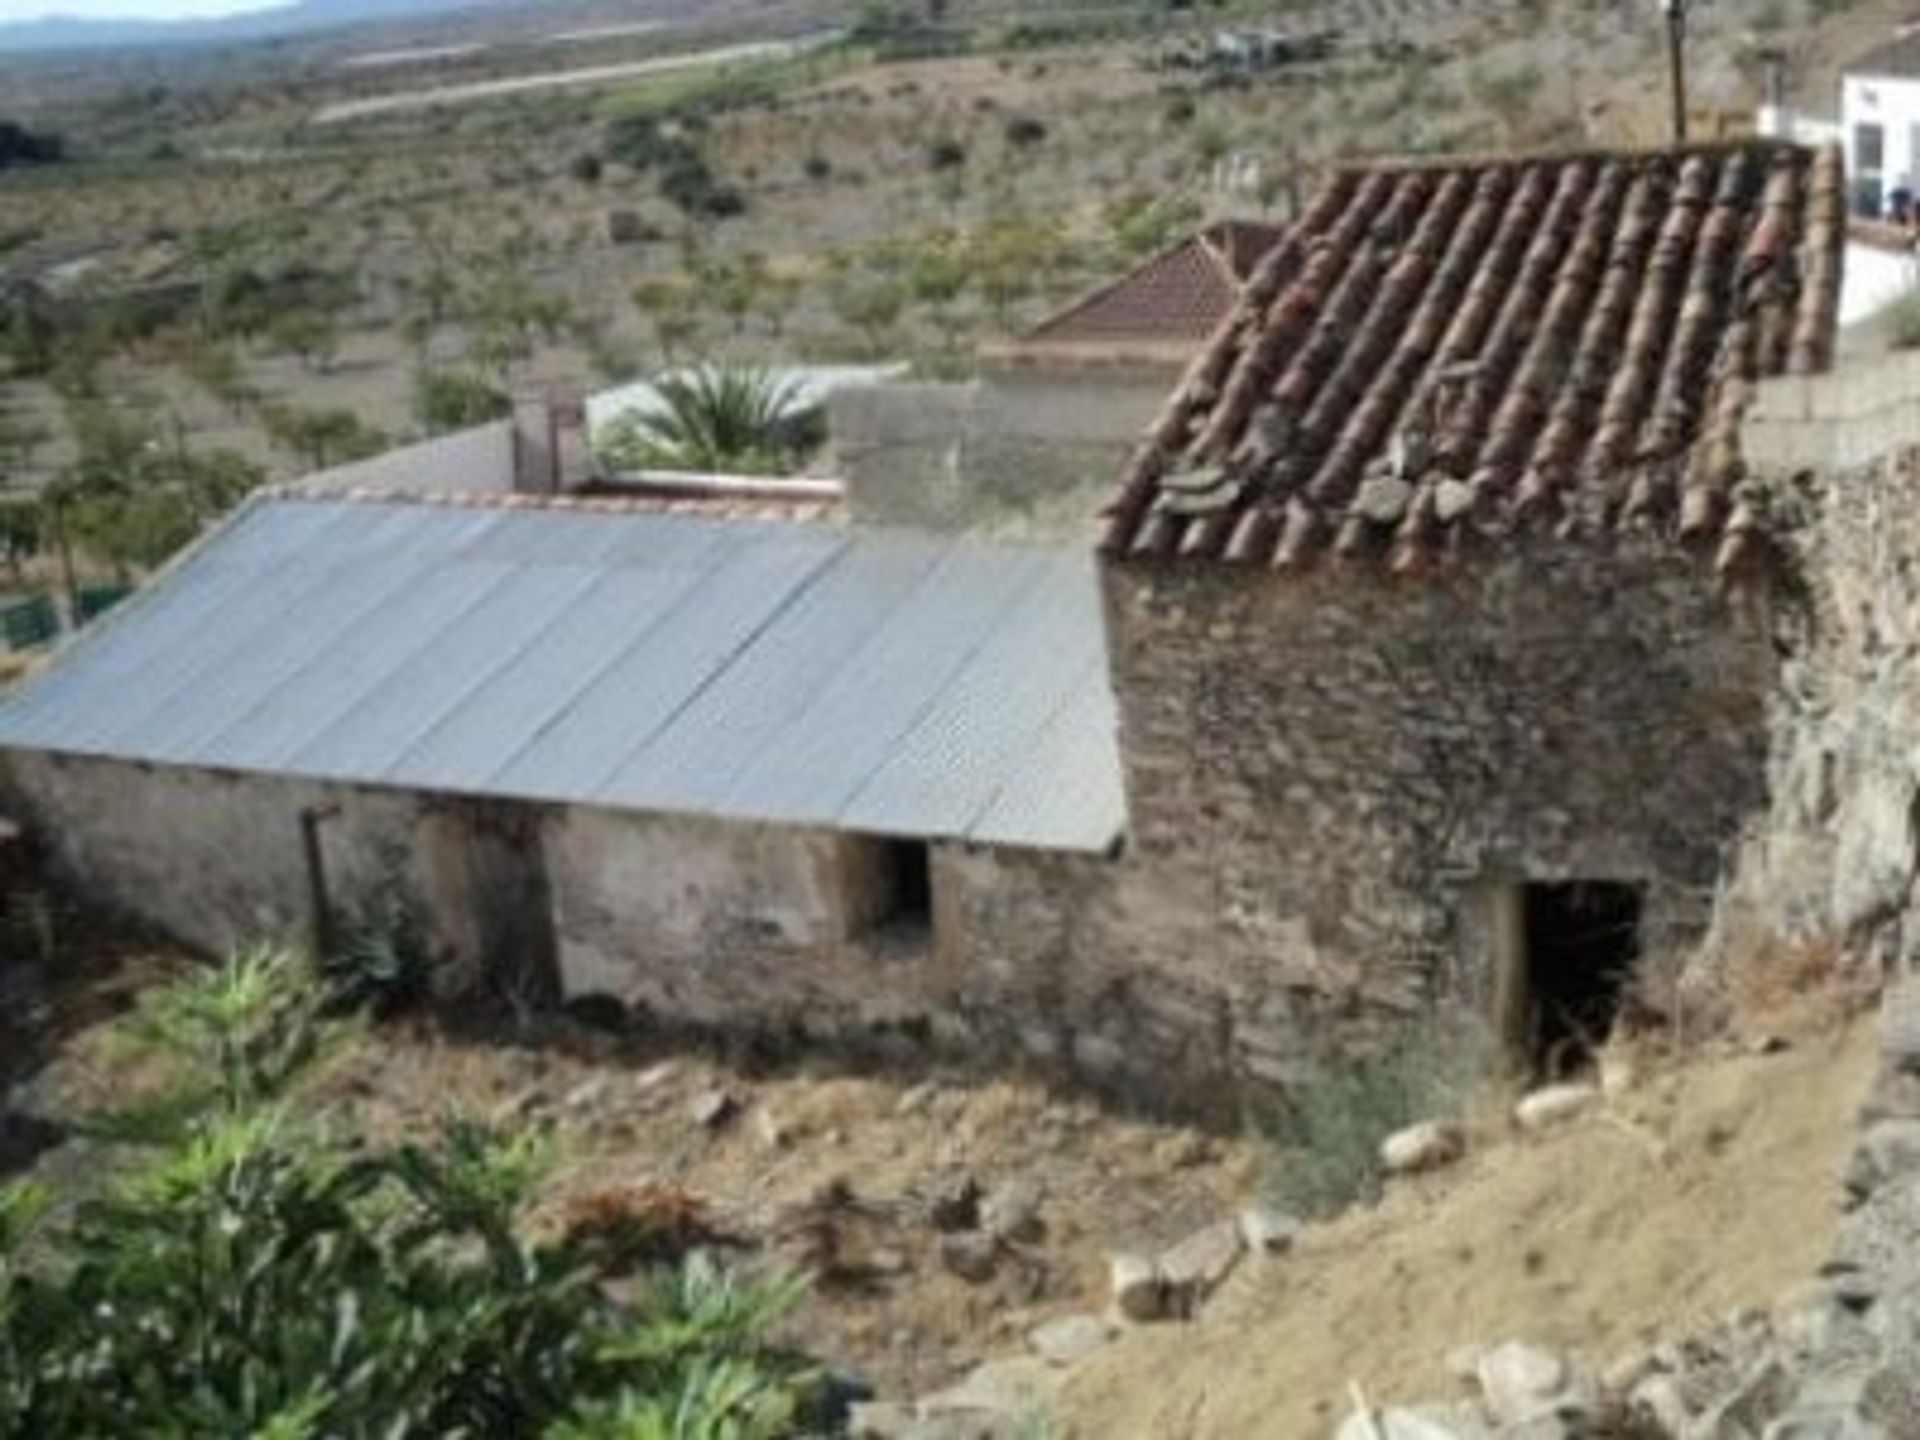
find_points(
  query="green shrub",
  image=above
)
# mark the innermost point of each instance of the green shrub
(1328, 1138)
(456, 399)
(382, 962)
(248, 1272)
(716, 419)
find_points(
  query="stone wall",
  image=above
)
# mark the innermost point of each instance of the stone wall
(1330, 777)
(217, 859)
(731, 925)
(1833, 861)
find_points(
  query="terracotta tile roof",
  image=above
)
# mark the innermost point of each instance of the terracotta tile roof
(1441, 352)
(809, 504)
(1183, 293)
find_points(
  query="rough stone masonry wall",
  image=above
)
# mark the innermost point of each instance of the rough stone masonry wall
(1327, 775)
(731, 925)
(1834, 860)
(217, 860)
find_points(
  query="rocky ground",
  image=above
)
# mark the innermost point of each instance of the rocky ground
(945, 1216)
(1656, 1258)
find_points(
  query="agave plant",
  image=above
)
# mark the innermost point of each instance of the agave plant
(718, 418)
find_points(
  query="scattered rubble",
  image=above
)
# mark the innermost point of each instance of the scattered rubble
(1139, 1290)
(1426, 1146)
(711, 1109)
(1837, 1359)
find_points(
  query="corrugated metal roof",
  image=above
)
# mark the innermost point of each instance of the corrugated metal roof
(887, 682)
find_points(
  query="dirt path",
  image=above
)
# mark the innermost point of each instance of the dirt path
(1703, 1191)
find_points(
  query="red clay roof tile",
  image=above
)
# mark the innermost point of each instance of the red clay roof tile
(1181, 294)
(1441, 350)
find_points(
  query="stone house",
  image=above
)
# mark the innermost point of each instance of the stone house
(1439, 602)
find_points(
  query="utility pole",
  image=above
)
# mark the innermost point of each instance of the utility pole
(1677, 62)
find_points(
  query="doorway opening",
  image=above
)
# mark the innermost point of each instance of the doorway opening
(1580, 940)
(907, 884)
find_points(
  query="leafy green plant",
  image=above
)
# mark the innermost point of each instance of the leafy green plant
(383, 961)
(1328, 1138)
(716, 418)
(248, 1271)
(455, 399)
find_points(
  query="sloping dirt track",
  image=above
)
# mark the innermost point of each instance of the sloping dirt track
(1702, 1190)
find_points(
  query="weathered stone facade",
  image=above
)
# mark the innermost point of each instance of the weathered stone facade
(1835, 858)
(1330, 776)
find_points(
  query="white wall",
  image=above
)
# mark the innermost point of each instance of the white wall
(1893, 104)
(1874, 279)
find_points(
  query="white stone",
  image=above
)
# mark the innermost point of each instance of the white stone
(1520, 1381)
(1267, 1229)
(1199, 1264)
(1139, 1292)
(1426, 1146)
(1012, 1211)
(1660, 1399)
(1555, 1105)
(1019, 1386)
(1071, 1338)
(711, 1109)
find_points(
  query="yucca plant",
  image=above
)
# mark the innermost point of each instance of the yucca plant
(716, 419)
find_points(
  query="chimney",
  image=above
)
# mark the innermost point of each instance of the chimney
(550, 454)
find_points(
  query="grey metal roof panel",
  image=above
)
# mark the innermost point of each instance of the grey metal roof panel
(696, 757)
(672, 655)
(873, 681)
(944, 772)
(1065, 789)
(817, 763)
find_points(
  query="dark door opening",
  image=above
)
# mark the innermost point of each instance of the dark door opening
(908, 882)
(1582, 939)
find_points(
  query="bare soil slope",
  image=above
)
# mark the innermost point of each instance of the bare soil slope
(1702, 1190)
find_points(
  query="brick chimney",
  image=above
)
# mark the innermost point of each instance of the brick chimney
(550, 454)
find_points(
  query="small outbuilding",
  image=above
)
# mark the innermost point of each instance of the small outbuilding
(727, 770)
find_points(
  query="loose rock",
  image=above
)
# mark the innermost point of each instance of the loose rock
(1197, 1266)
(1426, 1146)
(1555, 1105)
(1521, 1381)
(973, 1255)
(711, 1109)
(1139, 1293)
(1267, 1229)
(1012, 1211)
(1071, 1338)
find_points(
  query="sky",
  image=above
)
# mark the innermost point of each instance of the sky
(13, 10)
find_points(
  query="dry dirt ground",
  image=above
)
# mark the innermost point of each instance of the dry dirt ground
(1702, 1189)
(813, 1168)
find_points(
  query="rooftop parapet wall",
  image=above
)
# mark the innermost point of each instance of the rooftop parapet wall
(1027, 450)
(1867, 410)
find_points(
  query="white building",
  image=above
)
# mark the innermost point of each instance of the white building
(1880, 110)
